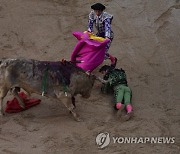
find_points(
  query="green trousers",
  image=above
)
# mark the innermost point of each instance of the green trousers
(122, 93)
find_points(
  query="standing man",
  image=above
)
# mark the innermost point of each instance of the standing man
(102, 21)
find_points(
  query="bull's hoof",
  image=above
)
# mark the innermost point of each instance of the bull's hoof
(77, 118)
(2, 113)
(127, 116)
(119, 112)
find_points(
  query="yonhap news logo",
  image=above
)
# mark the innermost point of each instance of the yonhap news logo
(103, 140)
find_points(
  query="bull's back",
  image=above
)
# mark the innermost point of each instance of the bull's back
(13, 71)
(34, 76)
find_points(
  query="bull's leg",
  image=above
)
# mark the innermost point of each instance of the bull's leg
(73, 101)
(67, 102)
(27, 92)
(3, 93)
(14, 91)
(1, 106)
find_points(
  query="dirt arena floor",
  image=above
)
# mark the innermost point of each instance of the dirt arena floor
(147, 45)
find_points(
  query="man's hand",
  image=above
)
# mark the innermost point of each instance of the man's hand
(107, 38)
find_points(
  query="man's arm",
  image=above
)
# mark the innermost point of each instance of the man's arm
(91, 22)
(107, 23)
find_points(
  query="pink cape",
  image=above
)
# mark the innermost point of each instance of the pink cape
(90, 52)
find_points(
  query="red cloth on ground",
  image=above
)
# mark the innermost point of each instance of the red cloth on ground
(14, 107)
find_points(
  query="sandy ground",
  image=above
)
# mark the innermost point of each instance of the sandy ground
(147, 45)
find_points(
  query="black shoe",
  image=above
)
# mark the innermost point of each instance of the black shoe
(114, 65)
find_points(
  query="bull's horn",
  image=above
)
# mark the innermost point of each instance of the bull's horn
(101, 80)
(88, 72)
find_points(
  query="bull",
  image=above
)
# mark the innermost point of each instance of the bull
(59, 80)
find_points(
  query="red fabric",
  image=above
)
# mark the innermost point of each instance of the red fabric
(14, 107)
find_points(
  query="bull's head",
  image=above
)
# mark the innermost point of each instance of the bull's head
(86, 92)
(89, 85)
(82, 83)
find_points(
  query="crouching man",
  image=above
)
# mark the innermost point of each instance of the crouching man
(115, 80)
